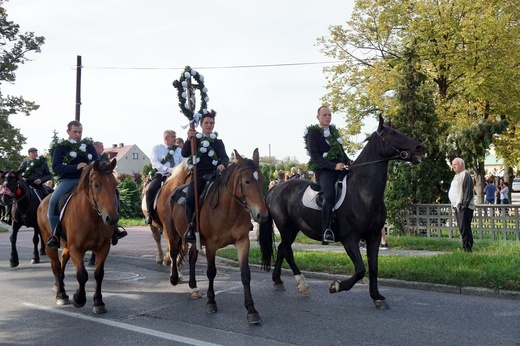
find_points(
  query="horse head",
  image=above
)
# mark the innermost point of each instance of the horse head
(99, 184)
(12, 188)
(398, 145)
(250, 182)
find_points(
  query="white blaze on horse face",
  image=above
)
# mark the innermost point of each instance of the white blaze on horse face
(255, 175)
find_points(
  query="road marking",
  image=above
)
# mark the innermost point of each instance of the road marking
(129, 327)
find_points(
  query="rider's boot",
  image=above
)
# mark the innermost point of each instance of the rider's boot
(189, 236)
(328, 235)
(54, 241)
(119, 232)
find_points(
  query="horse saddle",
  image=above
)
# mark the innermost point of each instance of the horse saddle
(179, 194)
(37, 192)
(313, 198)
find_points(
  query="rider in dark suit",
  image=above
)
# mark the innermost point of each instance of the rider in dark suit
(211, 156)
(36, 171)
(329, 161)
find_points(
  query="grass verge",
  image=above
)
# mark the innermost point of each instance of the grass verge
(492, 264)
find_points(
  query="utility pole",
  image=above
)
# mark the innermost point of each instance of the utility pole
(78, 87)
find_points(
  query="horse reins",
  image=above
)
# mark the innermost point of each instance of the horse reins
(242, 201)
(94, 204)
(6, 191)
(401, 154)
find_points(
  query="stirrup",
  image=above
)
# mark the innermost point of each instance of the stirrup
(328, 237)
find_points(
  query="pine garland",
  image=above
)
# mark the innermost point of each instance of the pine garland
(333, 137)
(31, 167)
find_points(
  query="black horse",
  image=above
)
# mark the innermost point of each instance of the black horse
(361, 216)
(23, 201)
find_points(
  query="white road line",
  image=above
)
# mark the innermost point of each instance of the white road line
(129, 327)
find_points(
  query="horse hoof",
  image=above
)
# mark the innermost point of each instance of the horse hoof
(99, 309)
(35, 261)
(180, 277)
(91, 263)
(279, 287)
(211, 308)
(76, 303)
(334, 287)
(254, 318)
(381, 304)
(174, 281)
(195, 294)
(14, 264)
(304, 291)
(62, 301)
(43, 253)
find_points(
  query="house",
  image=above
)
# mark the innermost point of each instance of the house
(130, 159)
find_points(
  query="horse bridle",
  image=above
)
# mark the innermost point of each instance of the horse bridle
(241, 201)
(94, 203)
(401, 154)
(6, 191)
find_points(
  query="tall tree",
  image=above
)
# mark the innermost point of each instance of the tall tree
(15, 48)
(468, 50)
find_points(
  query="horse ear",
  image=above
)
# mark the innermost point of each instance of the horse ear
(381, 123)
(96, 164)
(18, 172)
(256, 157)
(237, 156)
(113, 164)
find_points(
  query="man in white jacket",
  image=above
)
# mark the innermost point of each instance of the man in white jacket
(462, 198)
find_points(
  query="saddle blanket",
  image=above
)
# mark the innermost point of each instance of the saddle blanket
(309, 197)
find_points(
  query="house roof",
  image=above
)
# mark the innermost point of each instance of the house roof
(118, 152)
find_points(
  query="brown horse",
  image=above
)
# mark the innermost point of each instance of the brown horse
(87, 224)
(181, 174)
(225, 218)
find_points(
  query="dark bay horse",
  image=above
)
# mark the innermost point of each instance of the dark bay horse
(181, 174)
(23, 201)
(87, 224)
(225, 218)
(361, 215)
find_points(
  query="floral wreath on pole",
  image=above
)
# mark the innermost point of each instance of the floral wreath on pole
(182, 85)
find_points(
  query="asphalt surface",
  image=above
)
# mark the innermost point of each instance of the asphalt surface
(140, 243)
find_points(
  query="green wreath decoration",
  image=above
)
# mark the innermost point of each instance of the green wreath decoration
(31, 167)
(75, 149)
(333, 136)
(181, 85)
(205, 148)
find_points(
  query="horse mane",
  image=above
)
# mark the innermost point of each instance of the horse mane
(104, 168)
(178, 169)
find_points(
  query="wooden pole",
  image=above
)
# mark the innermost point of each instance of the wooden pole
(78, 87)
(193, 144)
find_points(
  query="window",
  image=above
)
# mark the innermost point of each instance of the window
(135, 156)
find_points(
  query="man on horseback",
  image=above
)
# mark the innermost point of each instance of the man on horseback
(68, 163)
(164, 157)
(35, 171)
(328, 161)
(211, 155)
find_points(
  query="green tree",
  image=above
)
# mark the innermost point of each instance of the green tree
(468, 50)
(130, 199)
(15, 47)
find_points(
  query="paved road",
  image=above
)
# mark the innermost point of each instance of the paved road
(144, 309)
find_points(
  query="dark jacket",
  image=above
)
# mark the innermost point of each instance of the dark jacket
(69, 170)
(41, 171)
(317, 146)
(205, 165)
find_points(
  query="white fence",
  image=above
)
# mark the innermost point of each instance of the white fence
(490, 221)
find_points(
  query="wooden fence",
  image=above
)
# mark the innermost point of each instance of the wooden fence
(490, 221)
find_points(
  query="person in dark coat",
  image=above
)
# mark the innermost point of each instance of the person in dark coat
(328, 161)
(35, 171)
(211, 157)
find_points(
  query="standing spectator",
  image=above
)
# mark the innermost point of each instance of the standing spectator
(180, 142)
(489, 190)
(301, 174)
(462, 199)
(294, 174)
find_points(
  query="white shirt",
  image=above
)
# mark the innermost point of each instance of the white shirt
(453, 192)
(158, 154)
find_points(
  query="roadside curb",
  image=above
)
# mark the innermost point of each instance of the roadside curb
(425, 286)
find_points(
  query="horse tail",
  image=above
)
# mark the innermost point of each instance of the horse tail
(266, 242)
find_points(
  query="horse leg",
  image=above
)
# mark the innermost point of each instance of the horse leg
(193, 255)
(58, 269)
(211, 273)
(99, 274)
(14, 261)
(245, 273)
(92, 260)
(42, 243)
(372, 254)
(159, 257)
(36, 238)
(174, 269)
(352, 248)
(79, 298)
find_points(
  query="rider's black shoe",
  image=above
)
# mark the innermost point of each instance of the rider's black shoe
(53, 242)
(328, 237)
(189, 236)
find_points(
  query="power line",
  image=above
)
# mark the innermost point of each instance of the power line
(213, 67)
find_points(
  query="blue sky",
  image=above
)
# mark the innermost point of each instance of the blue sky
(149, 42)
